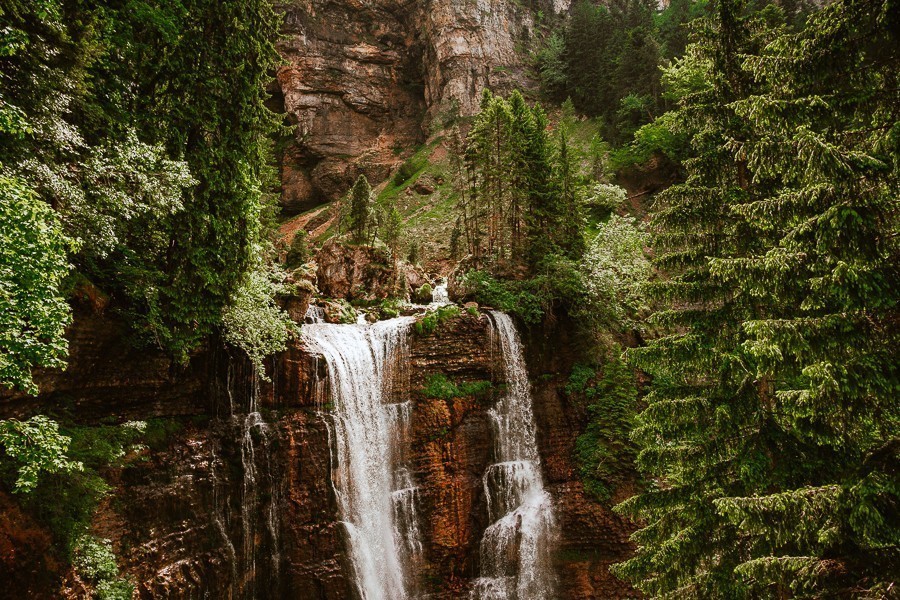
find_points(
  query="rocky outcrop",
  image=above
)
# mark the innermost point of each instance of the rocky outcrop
(355, 272)
(29, 566)
(352, 87)
(363, 81)
(103, 362)
(364, 273)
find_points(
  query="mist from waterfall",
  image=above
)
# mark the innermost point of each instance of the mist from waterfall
(376, 494)
(515, 548)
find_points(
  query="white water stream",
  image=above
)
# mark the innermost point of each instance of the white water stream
(515, 549)
(439, 295)
(376, 494)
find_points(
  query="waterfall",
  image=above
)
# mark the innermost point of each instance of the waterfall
(247, 519)
(439, 294)
(515, 548)
(315, 314)
(375, 490)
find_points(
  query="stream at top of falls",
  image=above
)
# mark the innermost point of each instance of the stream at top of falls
(376, 494)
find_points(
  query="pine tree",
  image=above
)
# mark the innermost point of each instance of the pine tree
(604, 451)
(545, 213)
(455, 237)
(360, 210)
(568, 179)
(824, 151)
(392, 231)
(772, 423)
(590, 55)
(521, 125)
(705, 434)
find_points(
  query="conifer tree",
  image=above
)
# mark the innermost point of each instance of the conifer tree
(392, 231)
(545, 212)
(360, 209)
(455, 237)
(521, 125)
(705, 434)
(824, 153)
(772, 423)
(567, 179)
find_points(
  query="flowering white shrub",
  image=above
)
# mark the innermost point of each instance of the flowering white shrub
(616, 267)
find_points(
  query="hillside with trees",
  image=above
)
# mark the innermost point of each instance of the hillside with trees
(702, 196)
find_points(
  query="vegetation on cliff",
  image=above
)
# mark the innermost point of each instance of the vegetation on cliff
(771, 427)
(135, 151)
(760, 294)
(143, 126)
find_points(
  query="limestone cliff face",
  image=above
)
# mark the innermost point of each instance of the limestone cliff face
(237, 502)
(363, 81)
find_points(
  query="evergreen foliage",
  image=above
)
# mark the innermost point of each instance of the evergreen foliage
(143, 125)
(392, 230)
(518, 190)
(772, 423)
(606, 59)
(360, 210)
(604, 452)
(299, 252)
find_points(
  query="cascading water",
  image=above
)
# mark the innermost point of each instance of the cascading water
(439, 294)
(249, 523)
(515, 549)
(315, 314)
(374, 487)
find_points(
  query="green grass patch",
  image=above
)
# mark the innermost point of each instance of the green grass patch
(441, 387)
(434, 319)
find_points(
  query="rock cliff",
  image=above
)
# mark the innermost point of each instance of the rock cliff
(364, 81)
(234, 506)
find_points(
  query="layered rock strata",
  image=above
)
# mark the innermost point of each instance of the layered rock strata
(186, 523)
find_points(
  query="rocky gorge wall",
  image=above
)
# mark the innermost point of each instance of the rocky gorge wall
(364, 82)
(229, 506)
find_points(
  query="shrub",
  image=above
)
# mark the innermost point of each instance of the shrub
(94, 558)
(253, 320)
(37, 448)
(389, 309)
(431, 321)
(557, 280)
(605, 452)
(440, 386)
(616, 268)
(116, 589)
(602, 199)
(33, 264)
(423, 294)
(409, 168)
(580, 379)
(299, 252)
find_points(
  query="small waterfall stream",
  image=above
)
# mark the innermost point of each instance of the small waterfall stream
(439, 295)
(376, 494)
(250, 522)
(515, 549)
